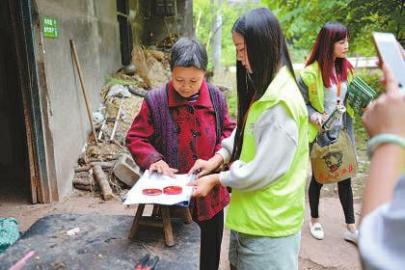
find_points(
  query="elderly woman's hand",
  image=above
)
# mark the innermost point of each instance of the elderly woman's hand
(163, 168)
(202, 167)
(203, 186)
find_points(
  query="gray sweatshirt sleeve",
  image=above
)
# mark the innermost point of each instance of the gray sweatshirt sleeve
(304, 91)
(227, 147)
(382, 238)
(276, 137)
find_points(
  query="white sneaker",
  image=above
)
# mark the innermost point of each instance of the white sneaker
(351, 236)
(316, 230)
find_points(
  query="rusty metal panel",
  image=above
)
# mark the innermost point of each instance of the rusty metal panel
(22, 22)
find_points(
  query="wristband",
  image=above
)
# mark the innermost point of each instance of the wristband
(383, 138)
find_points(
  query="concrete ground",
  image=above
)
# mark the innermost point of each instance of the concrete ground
(331, 253)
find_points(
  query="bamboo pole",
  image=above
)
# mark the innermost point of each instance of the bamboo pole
(117, 119)
(79, 70)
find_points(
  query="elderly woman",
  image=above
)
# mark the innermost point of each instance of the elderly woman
(181, 122)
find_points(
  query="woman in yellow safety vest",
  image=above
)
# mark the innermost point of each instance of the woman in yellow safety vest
(324, 82)
(268, 151)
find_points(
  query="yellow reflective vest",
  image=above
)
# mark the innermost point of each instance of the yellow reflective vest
(278, 209)
(312, 77)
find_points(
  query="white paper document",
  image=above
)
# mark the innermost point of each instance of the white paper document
(154, 181)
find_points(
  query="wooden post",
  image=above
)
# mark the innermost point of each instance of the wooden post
(79, 70)
(103, 182)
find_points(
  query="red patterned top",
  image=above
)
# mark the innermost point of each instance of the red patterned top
(196, 134)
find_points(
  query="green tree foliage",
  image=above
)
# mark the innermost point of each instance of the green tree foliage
(204, 10)
(365, 16)
(301, 20)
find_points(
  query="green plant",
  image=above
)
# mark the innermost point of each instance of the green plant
(371, 77)
(302, 20)
(231, 98)
(204, 11)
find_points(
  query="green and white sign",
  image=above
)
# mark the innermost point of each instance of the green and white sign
(50, 27)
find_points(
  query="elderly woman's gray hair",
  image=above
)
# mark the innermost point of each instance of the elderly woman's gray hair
(188, 52)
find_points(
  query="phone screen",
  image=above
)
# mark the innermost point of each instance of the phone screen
(390, 54)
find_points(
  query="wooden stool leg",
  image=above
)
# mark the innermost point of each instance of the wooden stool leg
(137, 219)
(187, 216)
(167, 226)
(155, 211)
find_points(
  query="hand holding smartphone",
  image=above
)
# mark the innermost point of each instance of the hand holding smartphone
(389, 53)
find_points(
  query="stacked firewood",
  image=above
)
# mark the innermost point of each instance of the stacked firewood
(105, 164)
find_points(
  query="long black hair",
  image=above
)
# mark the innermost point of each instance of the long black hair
(267, 53)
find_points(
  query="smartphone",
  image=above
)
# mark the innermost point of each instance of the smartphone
(390, 54)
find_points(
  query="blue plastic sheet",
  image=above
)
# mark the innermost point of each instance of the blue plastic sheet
(8, 232)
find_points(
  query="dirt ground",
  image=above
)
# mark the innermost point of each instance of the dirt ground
(331, 253)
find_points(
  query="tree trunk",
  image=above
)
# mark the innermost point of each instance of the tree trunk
(216, 37)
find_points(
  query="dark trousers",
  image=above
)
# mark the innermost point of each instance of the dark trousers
(211, 238)
(345, 196)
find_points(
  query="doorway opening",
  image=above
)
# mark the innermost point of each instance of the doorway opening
(19, 180)
(14, 173)
(125, 31)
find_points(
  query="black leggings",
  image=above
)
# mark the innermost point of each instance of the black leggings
(345, 196)
(211, 238)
